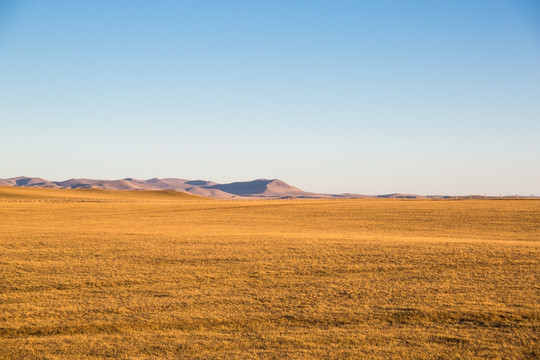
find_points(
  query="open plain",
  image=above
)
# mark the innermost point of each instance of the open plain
(87, 274)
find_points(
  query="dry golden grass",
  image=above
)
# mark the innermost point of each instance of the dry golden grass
(92, 274)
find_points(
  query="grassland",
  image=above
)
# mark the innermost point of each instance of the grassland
(93, 274)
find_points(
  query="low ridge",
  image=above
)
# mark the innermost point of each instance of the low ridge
(260, 188)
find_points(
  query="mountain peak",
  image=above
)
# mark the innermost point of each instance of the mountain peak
(258, 187)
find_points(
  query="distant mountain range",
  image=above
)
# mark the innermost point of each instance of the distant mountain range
(260, 188)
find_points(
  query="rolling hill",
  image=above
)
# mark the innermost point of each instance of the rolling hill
(260, 188)
(255, 189)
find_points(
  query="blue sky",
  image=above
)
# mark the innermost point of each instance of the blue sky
(331, 96)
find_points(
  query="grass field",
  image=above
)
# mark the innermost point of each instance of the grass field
(93, 274)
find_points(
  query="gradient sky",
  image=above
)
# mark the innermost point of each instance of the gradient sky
(355, 96)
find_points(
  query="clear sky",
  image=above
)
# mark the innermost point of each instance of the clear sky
(337, 96)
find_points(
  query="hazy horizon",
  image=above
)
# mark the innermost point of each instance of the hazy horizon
(369, 98)
(107, 184)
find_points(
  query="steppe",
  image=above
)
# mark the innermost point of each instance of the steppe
(87, 274)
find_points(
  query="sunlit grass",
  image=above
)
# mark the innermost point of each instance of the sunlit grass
(149, 274)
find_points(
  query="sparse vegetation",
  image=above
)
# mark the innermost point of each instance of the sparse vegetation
(92, 274)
